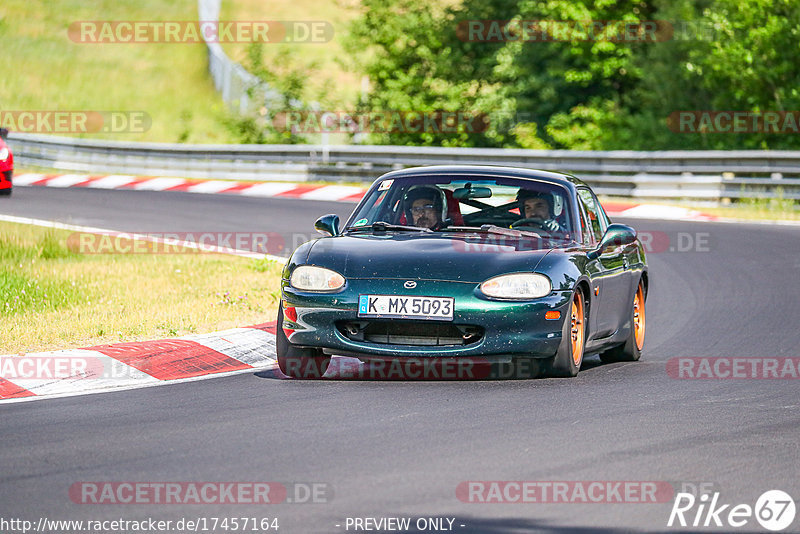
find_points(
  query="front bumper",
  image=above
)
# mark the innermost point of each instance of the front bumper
(515, 328)
(5, 179)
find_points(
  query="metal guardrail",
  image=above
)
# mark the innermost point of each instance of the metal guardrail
(706, 175)
(236, 86)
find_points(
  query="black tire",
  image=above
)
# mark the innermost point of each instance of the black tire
(297, 362)
(5, 192)
(564, 364)
(631, 350)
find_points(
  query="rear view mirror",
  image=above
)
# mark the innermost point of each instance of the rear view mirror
(464, 193)
(617, 235)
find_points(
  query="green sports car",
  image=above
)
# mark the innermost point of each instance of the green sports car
(492, 264)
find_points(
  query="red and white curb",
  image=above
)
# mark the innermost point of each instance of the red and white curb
(340, 193)
(654, 211)
(331, 193)
(136, 364)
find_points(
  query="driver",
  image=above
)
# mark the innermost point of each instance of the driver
(425, 206)
(538, 205)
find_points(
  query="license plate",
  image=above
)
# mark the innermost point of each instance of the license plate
(406, 307)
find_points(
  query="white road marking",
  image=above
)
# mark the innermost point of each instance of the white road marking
(142, 237)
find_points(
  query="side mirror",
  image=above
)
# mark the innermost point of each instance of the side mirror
(617, 235)
(328, 224)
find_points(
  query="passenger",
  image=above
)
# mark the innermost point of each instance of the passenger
(538, 206)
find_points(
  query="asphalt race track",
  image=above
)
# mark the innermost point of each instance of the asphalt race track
(156, 212)
(400, 449)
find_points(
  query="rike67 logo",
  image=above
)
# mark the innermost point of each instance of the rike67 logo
(774, 510)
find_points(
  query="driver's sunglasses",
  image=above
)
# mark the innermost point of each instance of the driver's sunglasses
(420, 209)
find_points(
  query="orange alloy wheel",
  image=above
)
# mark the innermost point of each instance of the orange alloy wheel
(577, 328)
(638, 317)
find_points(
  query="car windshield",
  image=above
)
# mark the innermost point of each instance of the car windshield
(457, 203)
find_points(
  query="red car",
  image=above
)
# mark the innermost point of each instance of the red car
(6, 164)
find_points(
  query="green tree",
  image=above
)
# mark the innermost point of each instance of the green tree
(411, 52)
(583, 93)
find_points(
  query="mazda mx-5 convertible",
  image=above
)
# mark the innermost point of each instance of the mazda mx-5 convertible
(499, 264)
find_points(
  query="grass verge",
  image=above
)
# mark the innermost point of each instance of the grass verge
(54, 299)
(744, 210)
(46, 70)
(757, 209)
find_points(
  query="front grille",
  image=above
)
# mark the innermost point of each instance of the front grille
(417, 333)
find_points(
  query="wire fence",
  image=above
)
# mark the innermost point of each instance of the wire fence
(239, 89)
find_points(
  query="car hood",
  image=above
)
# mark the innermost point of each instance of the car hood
(456, 257)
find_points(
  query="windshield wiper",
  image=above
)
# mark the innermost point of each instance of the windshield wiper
(492, 229)
(383, 226)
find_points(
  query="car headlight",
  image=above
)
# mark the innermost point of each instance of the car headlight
(311, 278)
(517, 286)
(4, 154)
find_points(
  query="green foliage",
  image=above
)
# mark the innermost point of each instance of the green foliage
(779, 206)
(526, 134)
(416, 63)
(287, 82)
(584, 127)
(584, 93)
